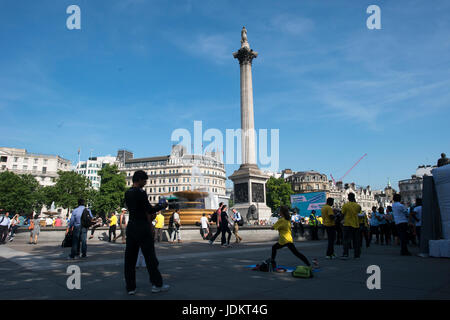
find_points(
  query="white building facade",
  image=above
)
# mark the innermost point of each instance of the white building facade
(92, 166)
(41, 166)
(177, 172)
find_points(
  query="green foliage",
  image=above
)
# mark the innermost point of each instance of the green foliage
(70, 186)
(20, 193)
(278, 193)
(112, 191)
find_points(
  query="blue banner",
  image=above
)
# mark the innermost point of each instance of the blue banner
(306, 202)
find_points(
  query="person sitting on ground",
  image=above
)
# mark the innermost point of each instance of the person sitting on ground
(283, 225)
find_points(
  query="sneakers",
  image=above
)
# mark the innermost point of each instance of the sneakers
(210, 242)
(343, 257)
(132, 292)
(156, 289)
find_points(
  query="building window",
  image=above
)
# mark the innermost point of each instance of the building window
(15, 166)
(16, 159)
(3, 159)
(44, 169)
(36, 161)
(25, 167)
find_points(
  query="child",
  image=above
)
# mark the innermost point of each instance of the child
(283, 225)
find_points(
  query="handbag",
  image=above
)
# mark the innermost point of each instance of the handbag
(31, 227)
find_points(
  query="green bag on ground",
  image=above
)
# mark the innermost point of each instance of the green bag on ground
(302, 272)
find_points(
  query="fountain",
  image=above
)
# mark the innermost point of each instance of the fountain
(52, 211)
(192, 203)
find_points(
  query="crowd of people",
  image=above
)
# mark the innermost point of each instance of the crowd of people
(395, 225)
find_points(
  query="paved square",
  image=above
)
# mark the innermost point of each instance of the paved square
(196, 270)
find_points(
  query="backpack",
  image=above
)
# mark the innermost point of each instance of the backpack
(86, 220)
(302, 272)
(214, 217)
(240, 223)
(266, 266)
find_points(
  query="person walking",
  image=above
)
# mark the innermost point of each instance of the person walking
(401, 223)
(374, 226)
(5, 223)
(314, 226)
(13, 227)
(122, 225)
(35, 228)
(330, 227)
(205, 226)
(350, 210)
(416, 218)
(159, 226)
(79, 231)
(216, 217)
(139, 235)
(283, 226)
(176, 225)
(225, 227)
(237, 218)
(112, 227)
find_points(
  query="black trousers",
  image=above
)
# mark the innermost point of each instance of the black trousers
(219, 230)
(331, 235)
(293, 249)
(314, 233)
(384, 233)
(339, 234)
(374, 230)
(364, 232)
(402, 229)
(3, 233)
(112, 230)
(351, 235)
(225, 229)
(418, 229)
(139, 235)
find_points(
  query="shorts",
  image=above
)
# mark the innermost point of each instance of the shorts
(205, 230)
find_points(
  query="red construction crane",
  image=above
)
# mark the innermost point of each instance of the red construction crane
(348, 169)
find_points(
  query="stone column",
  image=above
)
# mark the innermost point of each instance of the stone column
(245, 55)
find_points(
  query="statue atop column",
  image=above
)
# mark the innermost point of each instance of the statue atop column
(244, 41)
(443, 160)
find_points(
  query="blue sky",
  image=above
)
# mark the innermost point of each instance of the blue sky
(138, 69)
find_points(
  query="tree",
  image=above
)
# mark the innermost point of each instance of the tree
(70, 186)
(112, 190)
(278, 193)
(19, 193)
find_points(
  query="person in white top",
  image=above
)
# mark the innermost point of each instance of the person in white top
(205, 226)
(5, 222)
(401, 223)
(416, 218)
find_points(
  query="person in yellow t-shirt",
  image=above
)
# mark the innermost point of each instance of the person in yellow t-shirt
(350, 211)
(330, 227)
(112, 226)
(283, 225)
(159, 226)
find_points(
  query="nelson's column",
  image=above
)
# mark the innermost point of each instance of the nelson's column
(249, 182)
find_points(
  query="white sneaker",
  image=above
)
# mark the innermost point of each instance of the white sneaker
(210, 242)
(156, 289)
(132, 293)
